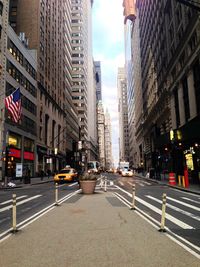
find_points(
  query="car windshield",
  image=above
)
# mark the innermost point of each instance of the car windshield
(90, 165)
(66, 171)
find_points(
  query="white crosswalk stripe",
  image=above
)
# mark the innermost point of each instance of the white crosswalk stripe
(191, 215)
(184, 204)
(169, 217)
(191, 200)
(10, 200)
(20, 203)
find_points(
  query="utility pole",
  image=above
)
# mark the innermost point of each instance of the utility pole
(195, 4)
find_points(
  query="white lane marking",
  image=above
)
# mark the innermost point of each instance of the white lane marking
(184, 204)
(121, 183)
(156, 210)
(37, 215)
(193, 216)
(141, 184)
(146, 182)
(10, 200)
(191, 200)
(111, 183)
(73, 184)
(154, 223)
(130, 183)
(183, 246)
(20, 203)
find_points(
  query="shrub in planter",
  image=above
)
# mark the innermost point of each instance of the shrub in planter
(88, 183)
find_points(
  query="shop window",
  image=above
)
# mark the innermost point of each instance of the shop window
(14, 141)
(28, 145)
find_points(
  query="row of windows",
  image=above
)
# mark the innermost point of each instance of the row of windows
(21, 59)
(26, 103)
(19, 77)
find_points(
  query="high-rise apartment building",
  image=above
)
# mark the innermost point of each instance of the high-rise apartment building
(134, 86)
(47, 25)
(108, 141)
(97, 65)
(101, 134)
(83, 82)
(123, 115)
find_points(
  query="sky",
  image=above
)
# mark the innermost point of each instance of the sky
(108, 47)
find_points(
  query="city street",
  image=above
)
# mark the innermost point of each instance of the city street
(31, 200)
(182, 212)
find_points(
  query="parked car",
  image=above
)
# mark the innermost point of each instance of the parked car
(66, 175)
(127, 172)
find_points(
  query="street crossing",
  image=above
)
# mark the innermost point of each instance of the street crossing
(18, 202)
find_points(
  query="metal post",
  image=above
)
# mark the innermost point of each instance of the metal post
(164, 200)
(133, 200)
(105, 188)
(179, 180)
(101, 183)
(183, 181)
(14, 214)
(56, 195)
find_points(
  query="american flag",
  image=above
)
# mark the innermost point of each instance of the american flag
(13, 105)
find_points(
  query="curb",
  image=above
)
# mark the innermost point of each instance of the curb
(25, 185)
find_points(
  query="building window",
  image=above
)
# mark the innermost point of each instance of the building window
(186, 98)
(177, 107)
(196, 71)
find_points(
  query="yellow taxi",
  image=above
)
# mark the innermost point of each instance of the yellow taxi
(66, 175)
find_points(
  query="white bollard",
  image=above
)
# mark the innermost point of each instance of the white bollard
(14, 214)
(56, 195)
(164, 201)
(101, 183)
(105, 188)
(133, 199)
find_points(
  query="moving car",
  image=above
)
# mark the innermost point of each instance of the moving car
(127, 172)
(93, 167)
(66, 175)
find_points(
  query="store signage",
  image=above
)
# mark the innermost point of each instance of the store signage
(19, 169)
(15, 153)
(28, 155)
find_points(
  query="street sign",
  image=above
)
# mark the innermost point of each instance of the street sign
(19, 169)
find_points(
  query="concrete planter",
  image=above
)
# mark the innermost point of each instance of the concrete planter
(88, 187)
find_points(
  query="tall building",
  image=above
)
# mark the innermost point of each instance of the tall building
(19, 70)
(97, 65)
(123, 115)
(170, 65)
(101, 134)
(134, 86)
(108, 142)
(83, 83)
(47, 25)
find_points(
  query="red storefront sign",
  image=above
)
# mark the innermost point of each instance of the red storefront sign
(15, 153)
(28, 155)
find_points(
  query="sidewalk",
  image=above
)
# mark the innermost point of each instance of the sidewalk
(94, 230)
(33, 181)
(193, 188)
